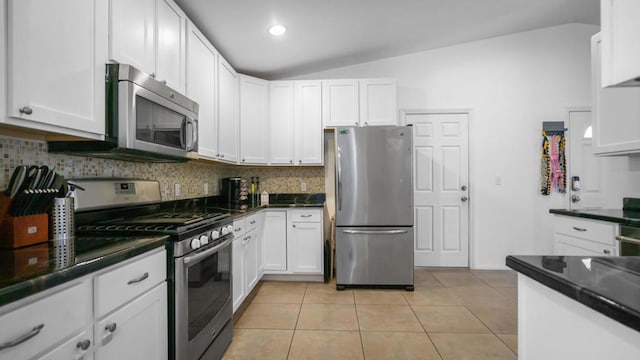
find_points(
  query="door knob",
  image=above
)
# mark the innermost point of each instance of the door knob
(464, 198)
(575, 198)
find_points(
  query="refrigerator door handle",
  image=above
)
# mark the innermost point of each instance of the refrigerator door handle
(339, 180)
(376, 232)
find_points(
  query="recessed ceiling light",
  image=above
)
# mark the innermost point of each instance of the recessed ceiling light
(277, 30)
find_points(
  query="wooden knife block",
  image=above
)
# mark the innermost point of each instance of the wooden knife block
(21, 231)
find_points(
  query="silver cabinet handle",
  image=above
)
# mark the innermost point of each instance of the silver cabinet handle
(248, 238)
(306, 216)
(200, 255)
(606, 251)
(628, 239)
(111, 327)
(579, 229)
(33, 332)
(25, 110)
(376, 232)
(138, 279)
(238, 229)
(252, 222)
(84, 345)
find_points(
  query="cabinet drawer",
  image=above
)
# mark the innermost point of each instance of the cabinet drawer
(592, 230)
(251, 222)
(571, 246)
(48, 321)
(239, 227)
(306, 215)
(120, 285)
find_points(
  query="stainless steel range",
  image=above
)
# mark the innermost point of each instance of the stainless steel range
(199, 264)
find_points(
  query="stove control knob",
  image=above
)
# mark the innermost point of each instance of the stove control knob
(225, 230)
(204, 239)
(215, 234)
(195, 243)
(231, 229)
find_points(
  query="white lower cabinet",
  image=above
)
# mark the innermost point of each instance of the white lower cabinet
(578, 237)
(293, 241)
(59, 323)
(137, 330)
(247, 244)
(275, 241)
(238, 273)
(304, 242)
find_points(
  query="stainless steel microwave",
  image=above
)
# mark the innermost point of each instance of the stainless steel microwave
(145, 121)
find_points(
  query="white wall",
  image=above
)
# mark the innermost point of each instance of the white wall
(512, 84)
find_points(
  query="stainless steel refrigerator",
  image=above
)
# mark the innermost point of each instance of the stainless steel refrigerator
(374, 206)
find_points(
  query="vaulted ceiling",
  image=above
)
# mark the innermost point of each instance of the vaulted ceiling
(323, 34)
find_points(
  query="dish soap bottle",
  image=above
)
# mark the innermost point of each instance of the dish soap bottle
(264, 198)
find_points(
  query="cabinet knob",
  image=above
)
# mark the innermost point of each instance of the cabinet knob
(171, 95)
(300, 161)
(291, 161)
(222, 155)
(163, 82)
(357, 123)
(84, 345)
(242, 160)
(153, 75)
(606, 251)
(25, 110)
(366, 123)
(111, 327)
(294, 225)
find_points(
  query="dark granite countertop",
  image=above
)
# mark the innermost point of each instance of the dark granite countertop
(28, 270)
(609, 285)
(624, 217)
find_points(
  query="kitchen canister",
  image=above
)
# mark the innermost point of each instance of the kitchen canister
(62, 224)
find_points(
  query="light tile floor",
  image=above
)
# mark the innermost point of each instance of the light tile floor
(452, 314)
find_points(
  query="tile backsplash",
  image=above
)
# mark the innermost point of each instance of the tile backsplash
(191, 176)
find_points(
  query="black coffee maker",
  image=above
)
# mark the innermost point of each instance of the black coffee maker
(234, 190)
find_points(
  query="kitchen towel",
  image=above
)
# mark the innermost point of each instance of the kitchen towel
(553, 166)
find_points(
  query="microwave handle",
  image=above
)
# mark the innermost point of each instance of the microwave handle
(183, 133)
(193, 143)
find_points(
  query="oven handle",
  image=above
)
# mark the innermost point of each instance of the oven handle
(198, 256)
(627, 239)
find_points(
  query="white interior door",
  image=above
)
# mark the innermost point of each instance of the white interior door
(441, 188)
(582, 163)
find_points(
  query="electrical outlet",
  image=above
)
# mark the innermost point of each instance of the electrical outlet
(176, 189)
(498, 180)
(303, 186)
(205, 188)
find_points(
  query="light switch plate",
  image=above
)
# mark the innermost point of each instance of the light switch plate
(176, 189)
(205, 188)
(303, 186)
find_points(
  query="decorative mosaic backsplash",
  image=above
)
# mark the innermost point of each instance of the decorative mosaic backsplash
(191, 176)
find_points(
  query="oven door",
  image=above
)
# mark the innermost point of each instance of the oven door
(202, 298)
(150, 122)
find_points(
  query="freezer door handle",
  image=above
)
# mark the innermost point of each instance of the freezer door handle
(377, 232)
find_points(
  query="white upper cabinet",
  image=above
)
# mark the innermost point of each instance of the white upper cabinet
(296, 123)
(202, 59)
(340, 103)
(56, 59)
(228, 120)
(281, 120)
(378, 102)
(170, 48)
(254, 97)
(132, 33)
(616, 112)
(309, 140)
(362, 102)
(620, 42)
(150, 35)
